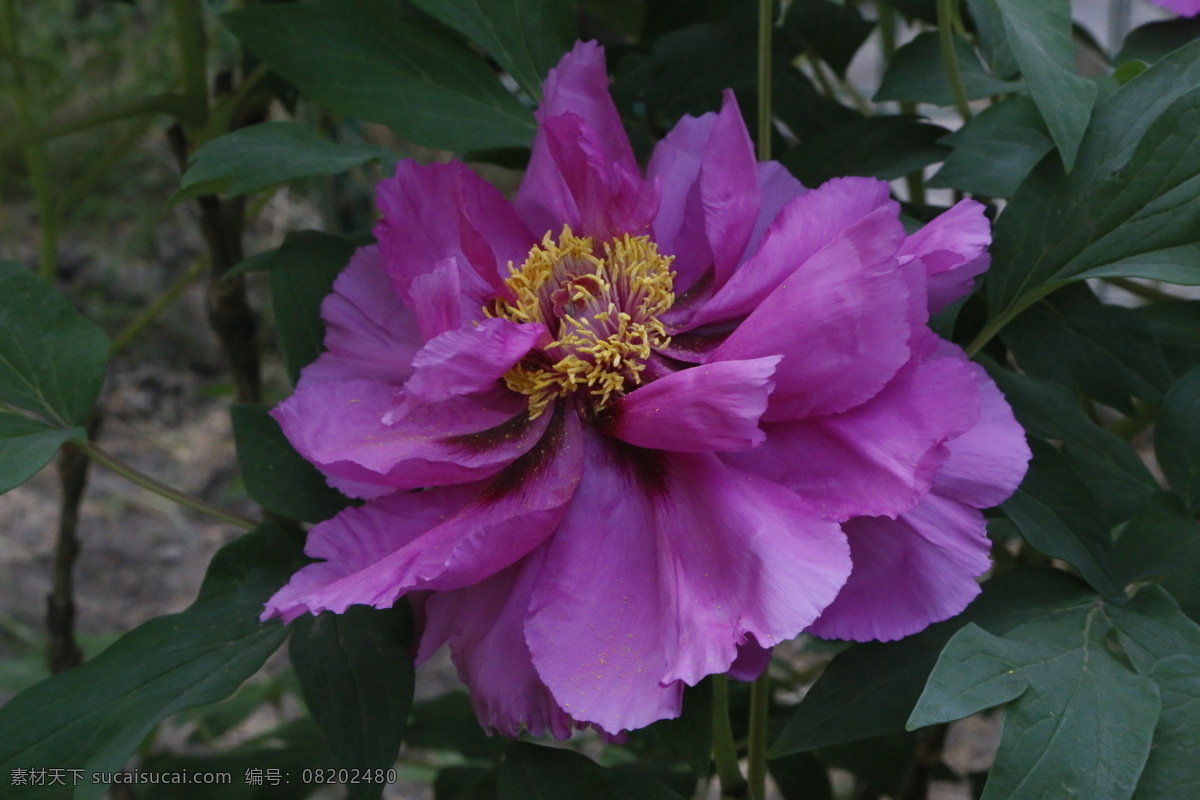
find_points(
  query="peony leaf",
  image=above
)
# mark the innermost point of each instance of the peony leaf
(526, 37)
(1105, 351)
(1177, 438)
(995, 151)
(356, 676)
(276, 476)
(1056, 511)
(1079, 722)
(1128, 209)
(690, 734)
(871, 688)
(884, 147)
(263, 155)
(1176, 326)
(1164, 645)
(27, 445)
(530, 772)
(369, 60)
(52, 360)
(1049, 410)
(1039, 35)
(302, 273)
(1162, 542)
(916, 75)
(95, 716)
(833, 31)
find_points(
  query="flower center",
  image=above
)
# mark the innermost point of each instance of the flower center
(602, 310)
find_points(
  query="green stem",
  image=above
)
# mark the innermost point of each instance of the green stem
(1142, 290)
(760, 712)
(766, 24)
(733, 783)
(150, 484)
(946, 11)
(36, 162)
(193, 49)
(887, 31)
(159, 305)
(175, 105)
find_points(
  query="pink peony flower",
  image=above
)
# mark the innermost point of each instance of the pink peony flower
(1184, 8)
(660, 423)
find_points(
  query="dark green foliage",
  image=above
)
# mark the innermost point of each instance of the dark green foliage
(357, 680)
(366, 59)
(96, 715)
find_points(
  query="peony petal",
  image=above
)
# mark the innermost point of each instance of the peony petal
(437, 300)
(579, 85)
(467, 360)
(572, 181)
(952, 250)
(442, 538)
(729, 189)
(839, 321)
(840, 209)
(908, 572)
(484, 625)
(880, 457)
(340, 427)
(1186, 8)
(369, 332)
(751, 662)
(679, 225)
(707, 408)
(988, 462)
(690, 558)
(777, 187)
(438, 212)
(706, 171)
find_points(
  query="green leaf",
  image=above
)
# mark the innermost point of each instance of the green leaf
(1164, 645)
(302, 275)
(1056, 512)
(995, 150)
(27, 445)
(465, 783)
(530, 772)
(52, 360)
(276, 476)
(884, 147)
(1176, 326)
(356, 676)
(833, 31)
(95, 716)
(1163, 542)
(526, 37)
(268, 767)
(801, 776)
(447, 722)
(1177, 438)
(1039, 34)
(1109, 465)
(365, 59)
(916, 74)
(870, 689)
(1153, 41)
(993, 43)
(1139, 222)
(1079, 722)
(690, 734)
(1105, 351)
(254, 158)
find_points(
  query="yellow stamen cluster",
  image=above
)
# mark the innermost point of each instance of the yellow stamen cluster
(602, 310)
